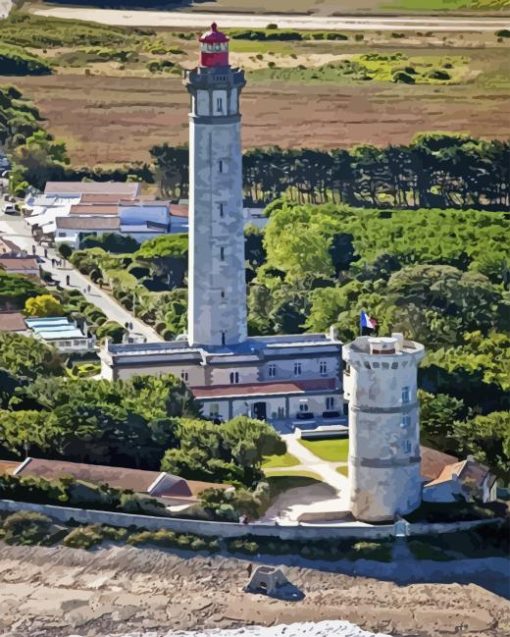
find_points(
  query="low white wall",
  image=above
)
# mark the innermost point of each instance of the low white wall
(227, 529)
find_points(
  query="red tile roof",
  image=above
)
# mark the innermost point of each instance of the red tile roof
(19, 263)
(95, 198)
(88, 223)
(433, 462)
(466, 470)
(8, 466)
(128, 189)
(12, 322)
(179, 210)
(94, 209)
(8, 246)
(258, 389)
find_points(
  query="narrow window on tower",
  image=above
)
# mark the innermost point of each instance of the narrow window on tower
(220, 165)
(221, 210)
(222, 294)
(223, 337)
(271, 370)
(297, 369)
(222, 254)
(219, 105)
(323, 368)
(406, 395)
(234, 378)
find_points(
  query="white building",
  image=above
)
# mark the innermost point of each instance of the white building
(380, 383)
(275, 377)
(62, 333)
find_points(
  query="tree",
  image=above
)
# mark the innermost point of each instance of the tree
(26, 356)
(65, 250)
(43, 305)
(111, 329)
(437, 416)
(488, 439)
(40, 159)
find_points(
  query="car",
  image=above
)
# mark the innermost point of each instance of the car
(10, 209)
(331, 414)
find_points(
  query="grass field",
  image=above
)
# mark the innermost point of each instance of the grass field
(286, 460)
(280, 483)
(110, 98)
(329, 450)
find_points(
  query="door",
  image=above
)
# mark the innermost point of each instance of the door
(259, 410)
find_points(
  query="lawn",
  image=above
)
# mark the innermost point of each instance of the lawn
(285, 460)
(279, 483)
(329, 450)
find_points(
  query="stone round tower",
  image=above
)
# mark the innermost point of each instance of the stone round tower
(380, 383)
(216, 279)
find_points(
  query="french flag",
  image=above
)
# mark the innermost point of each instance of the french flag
(366, 322)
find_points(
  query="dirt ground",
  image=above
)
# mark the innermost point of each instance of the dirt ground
(58, 591)
(112, 120)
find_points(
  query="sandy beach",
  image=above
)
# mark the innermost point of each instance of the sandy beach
(59, 591)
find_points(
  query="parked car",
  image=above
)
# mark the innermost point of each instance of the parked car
(304, 420)
(328, 415)
(10, 209)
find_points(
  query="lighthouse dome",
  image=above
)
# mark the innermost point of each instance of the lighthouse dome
(213, 47)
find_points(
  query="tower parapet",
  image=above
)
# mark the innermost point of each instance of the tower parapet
(217, 286)
(384, 442)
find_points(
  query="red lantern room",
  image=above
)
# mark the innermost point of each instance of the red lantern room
(213, 48)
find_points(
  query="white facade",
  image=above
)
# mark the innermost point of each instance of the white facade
(384, 450)
(217, 287)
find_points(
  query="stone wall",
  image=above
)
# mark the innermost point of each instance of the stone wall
(230, 530)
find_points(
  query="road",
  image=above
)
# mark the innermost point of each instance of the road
(16, 229)
(228, 20)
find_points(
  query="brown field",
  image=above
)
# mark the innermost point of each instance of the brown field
(111, 120)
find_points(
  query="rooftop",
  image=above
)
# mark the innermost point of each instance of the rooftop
(465, 470)
(18, 263)
(54, 328)
(12, 322)
(88, 223)
(128, 189)
(264, 389)
(433, 462)
(94, 209)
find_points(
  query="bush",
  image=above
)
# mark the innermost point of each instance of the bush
(424, 551)
(403, 77)
(84, 537)
(438, 74)
(503, 33)
(26, 527)
(65, 250)
(15, 61)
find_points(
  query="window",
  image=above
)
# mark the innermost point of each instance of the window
(330, 402)
(406, 446)
(406, 395)
(406, 422)
(61, 234)
(323, 368)
(297, 369)
(271, 370)
(223, 338)
(184, 376)
(234, 378)
(281, 412)
(220, 208)
(222, 294)
(214, 409)
(219, 105)
(222, 254)
(303, 407)
(220, 166)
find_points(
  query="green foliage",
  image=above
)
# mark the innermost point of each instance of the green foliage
(43, 305)
(16, 61)
(167, 245)
(15, 289)
(438, 414)
(111, 242)
(111, 329)
(65, 250)
(84, 537)
(424, 551)
(403, 77)
(26, 528)
(26, 356)
(449, 512)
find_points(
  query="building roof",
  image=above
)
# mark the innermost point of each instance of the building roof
(94, 209)
(128, 189)
(433, 462)
(467, 471)
(7, 467)
(88, 223)
(101, 198)
(156, 483)
(12, 322)
(179, 210)
(7, 246)
(263, 389)
(53, 328)
(19, 263)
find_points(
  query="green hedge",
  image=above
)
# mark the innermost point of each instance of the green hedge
(15, 61)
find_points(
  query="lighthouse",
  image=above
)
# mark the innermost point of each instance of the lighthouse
(380, 383)
(217, 286)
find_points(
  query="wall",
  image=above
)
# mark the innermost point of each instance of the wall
(226, 529)
(140, 214)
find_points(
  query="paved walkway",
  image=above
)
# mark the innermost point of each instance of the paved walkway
(17, 230)
(310, 462)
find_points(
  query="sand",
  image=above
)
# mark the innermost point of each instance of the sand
(118, 590)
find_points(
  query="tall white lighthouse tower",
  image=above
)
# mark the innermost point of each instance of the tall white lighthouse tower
(217, 287)
(380, 383)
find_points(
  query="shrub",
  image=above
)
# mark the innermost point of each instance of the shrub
(26, 527)
(403, 77)
(359, 37)
(65, 250)
(84, 537)
(438, 74)
(424, 551)
(15, 61)
(333, 35)
(503, 33)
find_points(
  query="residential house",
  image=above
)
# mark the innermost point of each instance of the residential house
(21, 265)
(465, 480)
(13, 322)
